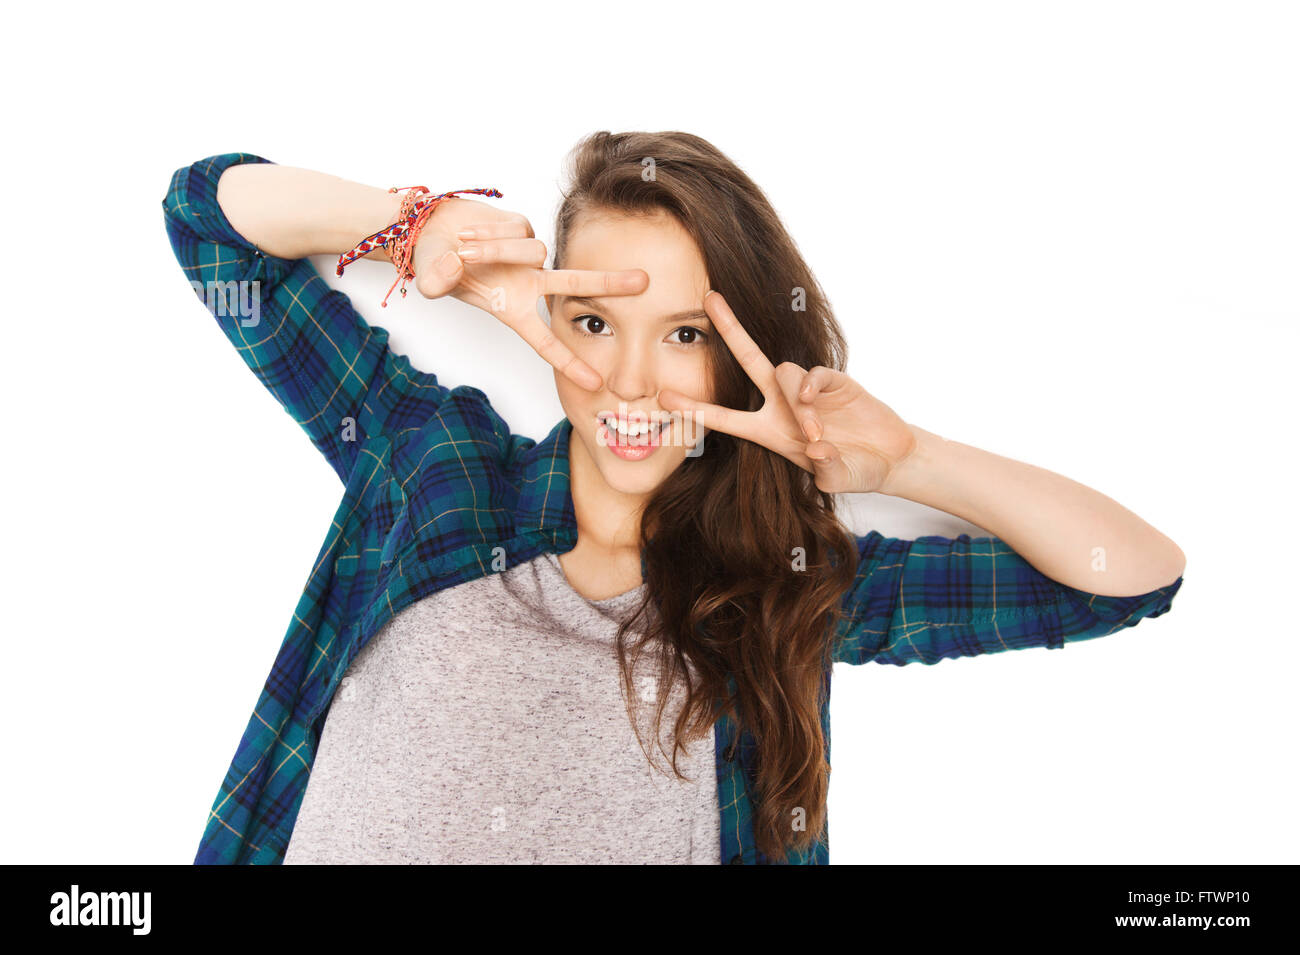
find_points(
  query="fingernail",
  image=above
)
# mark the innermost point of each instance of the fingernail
(449, 264)
(469, 252)
(467, 234)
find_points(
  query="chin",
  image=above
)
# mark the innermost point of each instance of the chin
(628, 478)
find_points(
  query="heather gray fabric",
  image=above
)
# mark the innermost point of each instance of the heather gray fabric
(486, 724)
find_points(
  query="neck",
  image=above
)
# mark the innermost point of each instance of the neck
(608, 520)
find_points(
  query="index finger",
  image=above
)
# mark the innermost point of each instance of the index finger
(517, 228)
(590, 283)
(742, 424)
(543, 341)
(749, 355)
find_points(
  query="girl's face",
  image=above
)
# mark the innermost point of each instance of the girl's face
(639, 344)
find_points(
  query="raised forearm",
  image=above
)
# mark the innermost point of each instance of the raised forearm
(290, 212)
(1067, 531)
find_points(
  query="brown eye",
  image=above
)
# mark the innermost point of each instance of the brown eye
(694, 336)
(587, 330)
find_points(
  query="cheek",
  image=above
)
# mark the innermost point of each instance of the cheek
(690, 376)
(570, 395)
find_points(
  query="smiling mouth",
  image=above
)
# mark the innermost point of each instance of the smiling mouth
(633, 434)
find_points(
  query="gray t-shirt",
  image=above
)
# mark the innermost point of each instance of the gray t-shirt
(485, 723)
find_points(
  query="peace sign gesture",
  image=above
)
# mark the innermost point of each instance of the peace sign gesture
(503, 275)
(821, 419)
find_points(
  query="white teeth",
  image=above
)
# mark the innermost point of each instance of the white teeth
(632, 430)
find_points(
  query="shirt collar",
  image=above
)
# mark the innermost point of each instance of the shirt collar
(545, 497)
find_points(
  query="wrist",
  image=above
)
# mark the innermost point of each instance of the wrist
(372, 213)
(910, 476)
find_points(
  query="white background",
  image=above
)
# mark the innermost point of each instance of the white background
(1065, 233)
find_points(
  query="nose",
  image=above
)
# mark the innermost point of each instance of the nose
(633, 375)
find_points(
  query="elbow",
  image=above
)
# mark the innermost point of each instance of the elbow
(1179, 564)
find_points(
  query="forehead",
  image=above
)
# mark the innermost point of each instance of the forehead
(657, 243)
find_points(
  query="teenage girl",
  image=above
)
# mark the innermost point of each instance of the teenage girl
(492, 708)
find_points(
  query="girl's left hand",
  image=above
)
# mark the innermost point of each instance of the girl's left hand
(820, 419)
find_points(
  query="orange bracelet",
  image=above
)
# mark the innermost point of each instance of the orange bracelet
(399, 238)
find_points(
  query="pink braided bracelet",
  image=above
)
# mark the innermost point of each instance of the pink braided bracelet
(400, 237)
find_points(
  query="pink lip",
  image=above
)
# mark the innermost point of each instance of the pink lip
(630, 449)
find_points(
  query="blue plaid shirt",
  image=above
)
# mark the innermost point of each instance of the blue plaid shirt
(437, 491)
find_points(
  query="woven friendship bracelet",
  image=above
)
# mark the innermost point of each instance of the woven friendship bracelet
(400, 237)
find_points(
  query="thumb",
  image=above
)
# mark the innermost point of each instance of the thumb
(828, 466)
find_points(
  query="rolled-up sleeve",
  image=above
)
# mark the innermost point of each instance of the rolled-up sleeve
(329, 369)
(936, 598)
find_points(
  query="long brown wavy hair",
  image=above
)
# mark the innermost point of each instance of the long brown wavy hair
(744, 559)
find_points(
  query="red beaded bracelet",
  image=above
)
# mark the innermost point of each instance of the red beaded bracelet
(400, 237)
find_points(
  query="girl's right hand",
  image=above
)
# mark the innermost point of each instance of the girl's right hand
(507, 277)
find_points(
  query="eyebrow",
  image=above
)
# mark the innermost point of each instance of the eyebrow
(690, 315)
